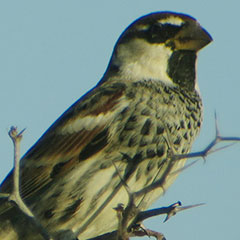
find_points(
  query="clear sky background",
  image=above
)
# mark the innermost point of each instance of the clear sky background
(52, 52)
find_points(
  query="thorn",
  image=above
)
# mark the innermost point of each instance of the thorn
(144, 229)
(21, 133)
(119, 208)
(191, 206)
(177, 207)
(221, 148)
(185, 167)
(122, 180)
(216, 125)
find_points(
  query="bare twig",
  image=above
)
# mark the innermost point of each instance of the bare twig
(203, 154)
(15, 194)
(125, 228)
(172, 209)
(137, 230)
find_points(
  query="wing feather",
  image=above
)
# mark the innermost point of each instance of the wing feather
(78, 134)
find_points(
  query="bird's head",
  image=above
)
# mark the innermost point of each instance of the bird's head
(160, 46)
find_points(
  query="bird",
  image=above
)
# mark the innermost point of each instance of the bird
(146, 107)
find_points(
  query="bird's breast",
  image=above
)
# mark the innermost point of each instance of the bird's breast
(157, 122)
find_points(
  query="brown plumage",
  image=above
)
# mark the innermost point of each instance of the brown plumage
(146, 106)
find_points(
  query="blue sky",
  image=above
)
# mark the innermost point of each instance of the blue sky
(52, 52)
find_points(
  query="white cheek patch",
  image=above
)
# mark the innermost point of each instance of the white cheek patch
(141, 60)
(173, 20)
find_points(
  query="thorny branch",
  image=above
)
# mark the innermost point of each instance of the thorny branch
(126, 228)
(14, 196)
(172, 209)
(175, 157)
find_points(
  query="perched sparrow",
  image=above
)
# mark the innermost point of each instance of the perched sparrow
(146, 107)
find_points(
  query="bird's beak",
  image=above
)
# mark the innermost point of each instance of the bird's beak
(192, 37)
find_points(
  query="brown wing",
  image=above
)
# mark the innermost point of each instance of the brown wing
(79, 133)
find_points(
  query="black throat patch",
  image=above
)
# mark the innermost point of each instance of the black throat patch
(181, 68)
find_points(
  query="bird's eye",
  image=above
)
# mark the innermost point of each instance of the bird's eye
(161, 32)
